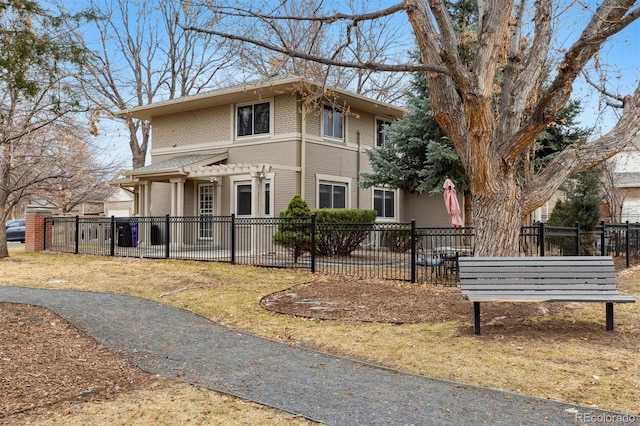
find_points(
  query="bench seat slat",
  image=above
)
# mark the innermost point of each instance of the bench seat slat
(596, 288)
(540, 279)
(547, 297)
(497, 279)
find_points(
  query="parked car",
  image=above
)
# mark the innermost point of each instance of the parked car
(15, 230)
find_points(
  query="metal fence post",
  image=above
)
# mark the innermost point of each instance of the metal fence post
(167, 231)
(112, 244)
(413, 251)
(77, 235)
(541, 238)
(313, 243)
(603, 240)
(233, 238)
(627, 252)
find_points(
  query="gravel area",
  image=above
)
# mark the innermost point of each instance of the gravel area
(175, 343)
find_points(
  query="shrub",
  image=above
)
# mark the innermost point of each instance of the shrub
(397, 239)
(341, 231)
(294, 233)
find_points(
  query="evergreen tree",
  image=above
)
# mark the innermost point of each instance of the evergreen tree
(294, 232)
(584, 196)
(417, 156)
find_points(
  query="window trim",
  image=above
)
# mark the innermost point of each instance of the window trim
(395, 203)
(253, 134)
(344, 121)
(247, 180)
(377, 133)
(334, 180)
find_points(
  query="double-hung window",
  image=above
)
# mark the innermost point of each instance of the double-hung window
(332, 122)
(332, 195)
(382, 132)
(384, 202)
(253, 119)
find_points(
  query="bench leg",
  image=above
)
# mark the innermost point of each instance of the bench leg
(476, 317)
(609, 316)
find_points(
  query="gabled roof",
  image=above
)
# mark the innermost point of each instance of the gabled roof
(262, 89)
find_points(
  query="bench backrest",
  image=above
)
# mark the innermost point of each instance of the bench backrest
(582, 273)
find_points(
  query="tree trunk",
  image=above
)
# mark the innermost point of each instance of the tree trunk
(497, 220)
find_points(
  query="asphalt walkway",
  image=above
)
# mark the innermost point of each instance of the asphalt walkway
(176, 343)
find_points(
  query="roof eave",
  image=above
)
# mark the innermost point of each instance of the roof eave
(249, 91)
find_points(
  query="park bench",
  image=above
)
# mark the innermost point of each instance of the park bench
(540, 279)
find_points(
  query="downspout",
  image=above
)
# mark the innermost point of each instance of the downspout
(358, 170)
(303, 151)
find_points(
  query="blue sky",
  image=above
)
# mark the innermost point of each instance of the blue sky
(620, 59)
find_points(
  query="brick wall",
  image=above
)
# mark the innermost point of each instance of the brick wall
(35, 232)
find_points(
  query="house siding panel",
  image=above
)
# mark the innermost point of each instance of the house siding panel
(330, 160)
(284, 153)
(286, 114)
(202, 126)
(428, 211)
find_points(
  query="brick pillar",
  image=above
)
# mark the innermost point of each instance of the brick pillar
(34, 233)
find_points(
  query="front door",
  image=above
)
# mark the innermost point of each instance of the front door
(205, 211)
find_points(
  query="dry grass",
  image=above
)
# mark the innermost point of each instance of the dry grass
(168, 402)
(567, 358)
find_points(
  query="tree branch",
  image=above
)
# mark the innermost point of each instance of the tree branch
(301, 55)
(575, 159)
(609, 19)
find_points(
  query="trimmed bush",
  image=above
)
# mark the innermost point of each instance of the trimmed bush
(294, 232)
(341, 231)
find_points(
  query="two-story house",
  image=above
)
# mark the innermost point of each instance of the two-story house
(248, 149)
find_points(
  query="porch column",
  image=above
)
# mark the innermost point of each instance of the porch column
(143, 207)
(217, 191)
(177, 209)
(177, 196)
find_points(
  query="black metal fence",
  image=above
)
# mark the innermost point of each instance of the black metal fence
(399, 251)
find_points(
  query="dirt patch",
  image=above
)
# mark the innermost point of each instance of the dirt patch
(348, 299)
(46, 362)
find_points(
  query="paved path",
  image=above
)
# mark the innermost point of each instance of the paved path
(178, 344)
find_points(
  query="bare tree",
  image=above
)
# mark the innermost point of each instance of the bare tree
(143, 56)
(370, 42)
(37, 99)
(614, 196)
(490, 132)
(81, 173)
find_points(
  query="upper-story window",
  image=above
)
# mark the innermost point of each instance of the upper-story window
(382, 132)
(332, 122)
(254, 119)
